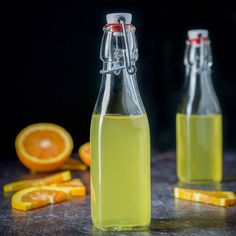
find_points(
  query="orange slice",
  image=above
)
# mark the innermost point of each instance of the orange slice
(75, 185)
(43, 146)
(36, 197)
(218, 198)
(52, 179)
(73, 164)
(85, 153)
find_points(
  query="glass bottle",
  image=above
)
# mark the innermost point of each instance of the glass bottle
(119, 135)
(199, 119)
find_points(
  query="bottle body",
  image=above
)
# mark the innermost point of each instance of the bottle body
(199, 120)
(120, 180)
(120, 143)
(199, 147)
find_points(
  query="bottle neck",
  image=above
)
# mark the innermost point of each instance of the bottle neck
(119, 48)
(198, 63)
(198, 56)
(119, 94)
(198, 96)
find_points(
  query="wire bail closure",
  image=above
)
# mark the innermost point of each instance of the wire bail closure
(201, 64)
(131, 69)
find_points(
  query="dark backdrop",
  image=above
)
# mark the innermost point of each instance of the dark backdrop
(51, 55)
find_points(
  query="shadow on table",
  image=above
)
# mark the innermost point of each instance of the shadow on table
(230, 178)
(207, 222)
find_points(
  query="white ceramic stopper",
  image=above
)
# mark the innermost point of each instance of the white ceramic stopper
(193, 34)
(113, 18)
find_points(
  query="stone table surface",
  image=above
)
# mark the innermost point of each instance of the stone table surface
(169, 216)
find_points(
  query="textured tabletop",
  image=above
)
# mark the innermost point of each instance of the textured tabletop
(169, 216)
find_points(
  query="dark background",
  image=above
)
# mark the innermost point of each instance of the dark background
(51, 63)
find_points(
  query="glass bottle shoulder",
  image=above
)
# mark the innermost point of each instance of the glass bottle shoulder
(119, 95)
(198, 95)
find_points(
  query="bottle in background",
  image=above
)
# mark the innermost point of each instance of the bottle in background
(119, 135)
(199, 119)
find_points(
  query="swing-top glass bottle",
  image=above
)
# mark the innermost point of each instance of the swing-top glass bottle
(199, 119)
(120, 139)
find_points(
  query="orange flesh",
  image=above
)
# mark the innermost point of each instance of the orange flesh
(52, 179)
(85, 153)
(76, 186)
(192, 192)
(57, 178)
(24, 185)
(87, 149)
(44, 144)
(213, 194)
(42, 197)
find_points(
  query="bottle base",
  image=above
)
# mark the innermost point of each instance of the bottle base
(122, 227)
(194, 181)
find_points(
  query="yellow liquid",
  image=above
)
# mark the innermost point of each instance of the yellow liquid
(199, 148)
(120, 172)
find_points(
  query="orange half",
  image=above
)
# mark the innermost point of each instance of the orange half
(85, 153)
(43, 146)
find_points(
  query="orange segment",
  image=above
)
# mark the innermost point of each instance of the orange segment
(57, 178)
(75, 185)
(53, 179)
(73, 164)
(85, 153)
(18, 185)
(35, 197)
(43, 146)
(218, 198)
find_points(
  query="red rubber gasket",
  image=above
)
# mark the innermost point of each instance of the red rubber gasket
(197, 40)
(116, 27)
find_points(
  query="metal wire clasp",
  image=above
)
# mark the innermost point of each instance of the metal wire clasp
(131, 69)
(201, 64)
